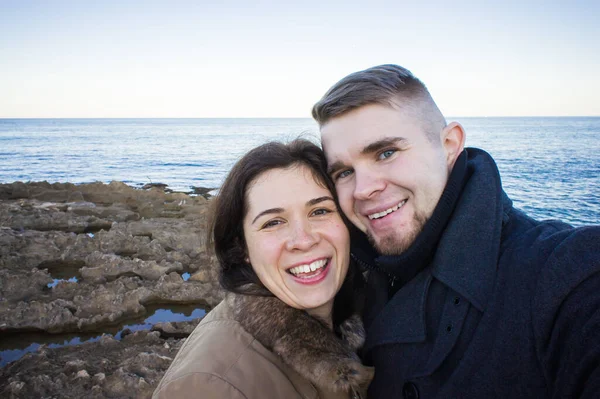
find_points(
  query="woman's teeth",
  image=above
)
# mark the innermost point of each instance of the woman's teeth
(387, 211)
(316, 265)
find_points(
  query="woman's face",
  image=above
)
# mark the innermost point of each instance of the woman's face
(297, 242)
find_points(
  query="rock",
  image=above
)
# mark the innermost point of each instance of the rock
(75, 196)
(160, 186)
(176, 329)
(15, 387)
(108, 252)
(122, 369)
(82, 374)
(143, 336)
(112, 273)
(14, 191)
(20, 286)
(49, 216)
(203, 191)
(109, 267)
(51, 195)
(74, 365)
(202, 276)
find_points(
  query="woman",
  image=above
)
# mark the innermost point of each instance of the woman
(283, 250)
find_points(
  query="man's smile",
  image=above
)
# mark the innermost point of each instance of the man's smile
(378, 215)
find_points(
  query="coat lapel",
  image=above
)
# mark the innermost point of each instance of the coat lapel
(402, 320)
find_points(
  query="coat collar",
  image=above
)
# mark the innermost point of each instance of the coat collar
(306, 344)
(465, 259)
(467, 254)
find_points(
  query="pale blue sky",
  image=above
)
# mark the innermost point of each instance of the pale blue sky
(269, 59)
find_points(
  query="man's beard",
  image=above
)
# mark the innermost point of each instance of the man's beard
(393, 244)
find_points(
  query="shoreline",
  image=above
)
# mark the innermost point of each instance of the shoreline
(84, 259)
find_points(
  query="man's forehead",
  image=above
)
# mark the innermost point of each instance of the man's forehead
(356, 130)
(333, 143)
(339, 140)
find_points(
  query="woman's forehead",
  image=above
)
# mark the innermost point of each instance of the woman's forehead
(285, 185)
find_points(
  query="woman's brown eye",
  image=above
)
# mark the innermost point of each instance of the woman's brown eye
(271, 223)
(321, 212)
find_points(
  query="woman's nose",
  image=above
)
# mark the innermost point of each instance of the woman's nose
(302, 237)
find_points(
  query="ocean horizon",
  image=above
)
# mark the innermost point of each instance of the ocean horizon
(550, 166)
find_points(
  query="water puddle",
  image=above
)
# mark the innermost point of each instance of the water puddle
(58, 280)
(62, 270)
(15, 346)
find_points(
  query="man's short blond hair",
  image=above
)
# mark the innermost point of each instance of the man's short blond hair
(388, 85)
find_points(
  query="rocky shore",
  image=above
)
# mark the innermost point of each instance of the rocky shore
(89, 259)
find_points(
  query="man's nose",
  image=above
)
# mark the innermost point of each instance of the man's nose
(302, 237)
(368, 183)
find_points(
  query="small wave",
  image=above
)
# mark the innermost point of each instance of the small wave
(186, 164)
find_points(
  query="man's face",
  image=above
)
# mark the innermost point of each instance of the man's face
(388, 174)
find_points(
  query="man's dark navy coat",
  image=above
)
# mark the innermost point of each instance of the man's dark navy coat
(508, 307)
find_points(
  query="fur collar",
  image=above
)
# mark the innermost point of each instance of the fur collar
(305, 343)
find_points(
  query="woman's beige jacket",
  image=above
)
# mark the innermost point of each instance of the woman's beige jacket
(221, 359)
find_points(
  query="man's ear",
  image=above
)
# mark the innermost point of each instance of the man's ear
(453, 141)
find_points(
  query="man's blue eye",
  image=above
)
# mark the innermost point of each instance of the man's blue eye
(343, 174)
(386, 154)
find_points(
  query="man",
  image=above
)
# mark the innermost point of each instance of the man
(467, 297)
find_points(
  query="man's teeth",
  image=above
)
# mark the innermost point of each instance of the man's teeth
(387, 211)
(318, 264)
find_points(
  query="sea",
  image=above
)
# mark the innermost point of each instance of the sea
(550, 166)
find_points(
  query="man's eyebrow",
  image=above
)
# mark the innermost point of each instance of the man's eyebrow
(381, 144)
(334, 167)
(267, 212)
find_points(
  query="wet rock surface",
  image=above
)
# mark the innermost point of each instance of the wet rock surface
(85, 258)
(129, 368)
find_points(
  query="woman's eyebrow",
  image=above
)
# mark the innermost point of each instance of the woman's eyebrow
(315, 201)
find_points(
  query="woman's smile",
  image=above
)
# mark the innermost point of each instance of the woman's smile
(310, 273)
